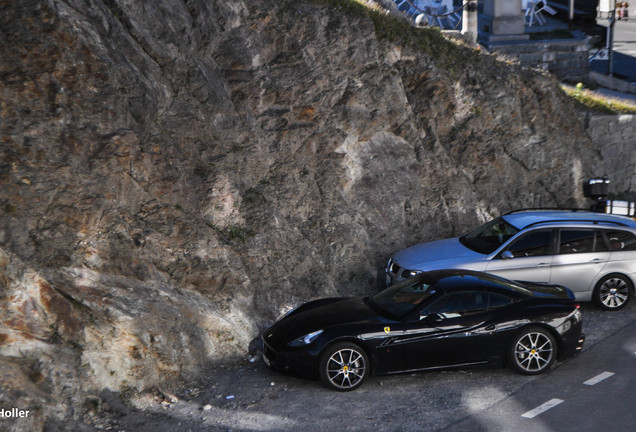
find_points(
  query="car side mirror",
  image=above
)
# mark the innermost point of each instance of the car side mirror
(507, 255)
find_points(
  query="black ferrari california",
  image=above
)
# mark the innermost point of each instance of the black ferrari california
(434, 320)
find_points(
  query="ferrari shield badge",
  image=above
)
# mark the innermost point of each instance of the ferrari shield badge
(387, 330)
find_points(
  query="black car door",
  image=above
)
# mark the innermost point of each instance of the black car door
(455, 329)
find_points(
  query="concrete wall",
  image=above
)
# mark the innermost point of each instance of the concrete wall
(566, 58)
(615, 136)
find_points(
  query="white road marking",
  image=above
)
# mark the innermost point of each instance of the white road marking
(541, 409)
(598, 378)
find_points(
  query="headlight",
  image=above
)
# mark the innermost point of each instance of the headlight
(305, 340)
(412, 272)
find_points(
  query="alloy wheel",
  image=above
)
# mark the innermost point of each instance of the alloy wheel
(346, 368)
(613, 293)
(533, 352)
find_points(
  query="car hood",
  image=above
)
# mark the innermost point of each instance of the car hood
(436, 254)
(319, 315)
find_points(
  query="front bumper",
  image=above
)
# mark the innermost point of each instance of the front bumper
(299, 361)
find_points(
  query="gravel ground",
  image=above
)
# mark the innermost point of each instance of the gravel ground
(251, 397)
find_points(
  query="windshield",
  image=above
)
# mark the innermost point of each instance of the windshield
(487, 238)
(399, 300)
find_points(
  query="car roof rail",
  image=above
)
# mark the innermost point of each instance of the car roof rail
(582, 221)
(549, 209)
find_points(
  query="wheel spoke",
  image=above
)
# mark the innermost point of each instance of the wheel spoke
(534, 341)
(525, 360)
(547, 342)
(523, 347)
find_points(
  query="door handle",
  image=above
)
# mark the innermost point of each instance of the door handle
(542, 265)
(596, 260)
(491, 327)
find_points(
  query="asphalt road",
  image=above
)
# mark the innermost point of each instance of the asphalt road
(592, 392)
(624, 51)
(251, 397)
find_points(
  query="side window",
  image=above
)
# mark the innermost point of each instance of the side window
(620, 240)
(498, 300)
(459, 304)
(536, 243)
(581, 241)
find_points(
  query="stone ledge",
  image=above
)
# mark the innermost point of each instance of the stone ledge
(612, 83)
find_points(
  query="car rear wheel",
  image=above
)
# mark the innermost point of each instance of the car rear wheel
(613, 292)
(532, 351)
(344, 366)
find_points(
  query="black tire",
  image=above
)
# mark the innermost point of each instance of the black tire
(613, 292)
(344, 366)
(532, 351)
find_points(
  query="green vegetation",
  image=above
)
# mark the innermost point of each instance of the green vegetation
(236, 233)
(449, 55)
(349, 6)
(596, 102)
(231, 232)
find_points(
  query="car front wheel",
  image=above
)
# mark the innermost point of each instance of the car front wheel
(344, 366)
(532, 351)
(613, 292)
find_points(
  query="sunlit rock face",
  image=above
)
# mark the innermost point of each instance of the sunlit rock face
(175, 174)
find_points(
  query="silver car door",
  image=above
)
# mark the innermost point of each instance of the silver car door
(527, 258)
(582, 255)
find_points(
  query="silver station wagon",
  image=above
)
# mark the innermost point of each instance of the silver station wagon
(593, 254)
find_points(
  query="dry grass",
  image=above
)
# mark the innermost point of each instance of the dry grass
(591, 100)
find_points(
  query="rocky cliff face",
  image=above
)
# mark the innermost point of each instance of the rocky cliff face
(175, 173)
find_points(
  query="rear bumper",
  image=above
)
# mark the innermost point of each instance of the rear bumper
(579, 344)
(572, 346)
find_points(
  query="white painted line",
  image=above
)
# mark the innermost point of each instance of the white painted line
(541, 409)
(598, 378)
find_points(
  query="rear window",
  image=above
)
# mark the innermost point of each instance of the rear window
(619, 240)
(497, 300)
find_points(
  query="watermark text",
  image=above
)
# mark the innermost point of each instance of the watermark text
(13, 413)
